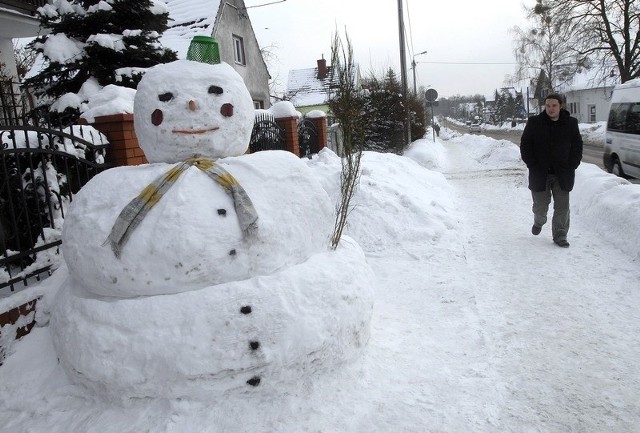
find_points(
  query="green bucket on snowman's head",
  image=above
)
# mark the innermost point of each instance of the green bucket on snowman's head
(204, 49)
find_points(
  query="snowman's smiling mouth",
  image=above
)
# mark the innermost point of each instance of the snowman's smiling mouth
(194, 131)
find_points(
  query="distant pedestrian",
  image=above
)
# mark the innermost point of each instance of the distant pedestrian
(551, 146)
(436, 127)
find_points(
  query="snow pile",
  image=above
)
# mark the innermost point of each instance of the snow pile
(503, 154)
(110, 100)
(610, 204)
(593, 132)
(428, 154)
(383, 180)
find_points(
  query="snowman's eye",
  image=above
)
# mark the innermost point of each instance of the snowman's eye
(216, 90)
(165, 97)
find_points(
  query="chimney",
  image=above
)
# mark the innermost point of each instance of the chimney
(322, 68)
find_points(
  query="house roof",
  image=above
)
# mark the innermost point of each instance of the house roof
(188, 18)
(305, 89)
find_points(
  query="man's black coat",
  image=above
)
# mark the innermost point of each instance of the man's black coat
(549, 147)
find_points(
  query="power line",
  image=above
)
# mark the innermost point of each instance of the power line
(265, 4)
(471, 63)
(410, 35)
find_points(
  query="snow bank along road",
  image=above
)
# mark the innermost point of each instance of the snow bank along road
(592, 151)
(545, 339)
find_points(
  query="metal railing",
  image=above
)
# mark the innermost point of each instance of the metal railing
(307, 138)
(41, 168)
(266, 135)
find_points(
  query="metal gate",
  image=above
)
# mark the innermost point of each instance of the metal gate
(266, 135)
(40, 171)
(308, 138)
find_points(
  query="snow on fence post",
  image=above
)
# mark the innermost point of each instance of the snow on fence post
(286, 116)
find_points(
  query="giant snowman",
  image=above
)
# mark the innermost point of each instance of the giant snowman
(205, 272)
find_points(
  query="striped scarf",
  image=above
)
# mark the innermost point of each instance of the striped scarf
(134, 212)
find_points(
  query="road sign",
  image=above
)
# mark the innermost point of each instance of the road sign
(431, 95)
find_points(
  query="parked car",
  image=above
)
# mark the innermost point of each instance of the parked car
(475, 127)
(622, 139)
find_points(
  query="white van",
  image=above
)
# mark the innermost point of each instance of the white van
(622, 141)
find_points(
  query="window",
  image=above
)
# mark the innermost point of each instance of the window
(633, 119)
(618, 116)
(258, 105)
(574, 108)
(238, 50)
(592, 113)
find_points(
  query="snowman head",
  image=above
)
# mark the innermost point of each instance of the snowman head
(186, 108)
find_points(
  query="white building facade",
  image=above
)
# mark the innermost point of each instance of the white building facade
(589, 105)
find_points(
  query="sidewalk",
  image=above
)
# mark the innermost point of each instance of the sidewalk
(558, 330)
(485, 328)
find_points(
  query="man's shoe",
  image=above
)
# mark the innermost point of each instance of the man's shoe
(536, 230)
(562, 243)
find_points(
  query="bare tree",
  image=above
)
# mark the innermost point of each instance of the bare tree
(4, 74)
(346, 104)
(25, 59)
(546, 50)
(607, 31)
(275, 82)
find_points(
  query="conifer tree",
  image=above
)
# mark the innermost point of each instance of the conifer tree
(385, 114)
(111, 41)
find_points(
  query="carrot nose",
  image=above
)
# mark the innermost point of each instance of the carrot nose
(192, 105)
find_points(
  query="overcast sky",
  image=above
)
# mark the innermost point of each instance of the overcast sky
(452, 31)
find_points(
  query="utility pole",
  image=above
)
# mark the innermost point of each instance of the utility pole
(403, 71)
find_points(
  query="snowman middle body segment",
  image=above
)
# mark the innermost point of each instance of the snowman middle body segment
(213, 250)
(185, 109)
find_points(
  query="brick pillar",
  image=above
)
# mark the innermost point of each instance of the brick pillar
(290, 126)
(10, 318)
(320, 124)
(119, 130)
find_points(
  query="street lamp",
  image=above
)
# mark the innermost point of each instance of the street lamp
(413, 66)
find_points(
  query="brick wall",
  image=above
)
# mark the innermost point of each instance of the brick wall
(320, 124)
(291, 140)
(119, 130)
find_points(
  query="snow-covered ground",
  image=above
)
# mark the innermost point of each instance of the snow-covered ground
(478, 326)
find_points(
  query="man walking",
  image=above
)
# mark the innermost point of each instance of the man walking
(551, 146)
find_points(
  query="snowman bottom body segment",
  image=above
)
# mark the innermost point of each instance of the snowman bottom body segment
(239, 336)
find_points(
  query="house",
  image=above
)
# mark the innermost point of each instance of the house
(17, 20)
(309, 89)
(589, 105)
(585, 101)
(227, 21)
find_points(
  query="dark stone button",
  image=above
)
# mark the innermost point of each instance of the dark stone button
(254, 345)
(254, 381)
(232, 252)
(222, 212)
(246, 309)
